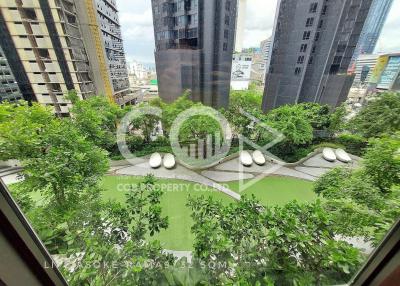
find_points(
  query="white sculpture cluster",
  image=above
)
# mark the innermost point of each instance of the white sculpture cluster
(339, 154)
(156, 160)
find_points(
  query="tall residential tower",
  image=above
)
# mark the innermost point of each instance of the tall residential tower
(314, 41)
(240, 25)
(194, 45)
(45, 52)
(101, 31)
(49, 47)
(372, 29)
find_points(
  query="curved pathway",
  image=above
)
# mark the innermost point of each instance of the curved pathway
(179, 172)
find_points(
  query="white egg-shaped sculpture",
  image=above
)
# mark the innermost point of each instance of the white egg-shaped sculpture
(245, 158)
(169, 161)
(342, 156)
(328, 154)
(258, 157)
(155, 160)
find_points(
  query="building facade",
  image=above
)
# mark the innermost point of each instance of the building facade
(240, 25)
(194, 45)
(375, 74)
(265, 47)
(99, 23)
(313, 43)
(45, 52)
(9, 89)
(364, 67)
(241, 71)
(372, 29)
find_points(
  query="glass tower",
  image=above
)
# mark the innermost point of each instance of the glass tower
(372, 29)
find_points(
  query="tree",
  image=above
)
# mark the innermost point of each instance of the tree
(251, 244)
(113, 247)
(144, 124)
(319, 115)
(379, 116)
(337, 120)
(198, 127)
(68, 165)
(352, 199)
(58, 161)
(239, 102)
(22, 128)
(97, 119)
(382, 162)
(293, 122)
(365, 202)
(172, 110)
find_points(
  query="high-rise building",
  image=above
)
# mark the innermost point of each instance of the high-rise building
(101, 31)
(194, 45)
(375, 74)
(240, 25)
(313, 44)
(241, 70)
(43, 46)
(9, 89)
(265, 47)
(372, 29)
(364, 67)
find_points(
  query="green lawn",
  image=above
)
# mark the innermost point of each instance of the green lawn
(178, 235)
(270, 191)
(278, 190)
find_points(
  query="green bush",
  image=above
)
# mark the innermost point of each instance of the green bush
(353, 144)
(291, 154)
(135, 143)
(161, 141)
(329, 145)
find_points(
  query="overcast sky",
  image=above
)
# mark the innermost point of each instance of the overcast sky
(137, 27)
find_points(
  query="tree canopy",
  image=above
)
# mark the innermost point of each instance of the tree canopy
(379, 116)
(293, 122)
(97, 120)
(254, 245)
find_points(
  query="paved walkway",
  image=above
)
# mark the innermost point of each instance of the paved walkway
(11, 179)
(312, 171)
(319, 162)
(220, 176)
(179, 172)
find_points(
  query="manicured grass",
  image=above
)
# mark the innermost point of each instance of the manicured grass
(278, 190)
(178, 235)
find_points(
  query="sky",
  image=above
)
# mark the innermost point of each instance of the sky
(138, 34)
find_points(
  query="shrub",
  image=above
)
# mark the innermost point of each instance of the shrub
(353, 144)
(330, 182)
(161, 141)
(329, 145)
(135, 143)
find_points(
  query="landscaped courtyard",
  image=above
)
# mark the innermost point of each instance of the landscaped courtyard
(270, 191)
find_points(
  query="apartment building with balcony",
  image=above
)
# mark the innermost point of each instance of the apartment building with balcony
(194, 47)
(313, 44)
(44, 48)
(101, 31)
(9, 89)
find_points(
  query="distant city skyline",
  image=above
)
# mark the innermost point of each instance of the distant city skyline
(137, 27)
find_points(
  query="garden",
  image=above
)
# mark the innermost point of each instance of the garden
(82, 212)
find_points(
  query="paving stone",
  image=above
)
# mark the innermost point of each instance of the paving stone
(219, 176)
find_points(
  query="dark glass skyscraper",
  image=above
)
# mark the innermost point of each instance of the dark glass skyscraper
(314, 41)
(194, 45)
(372, 29)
